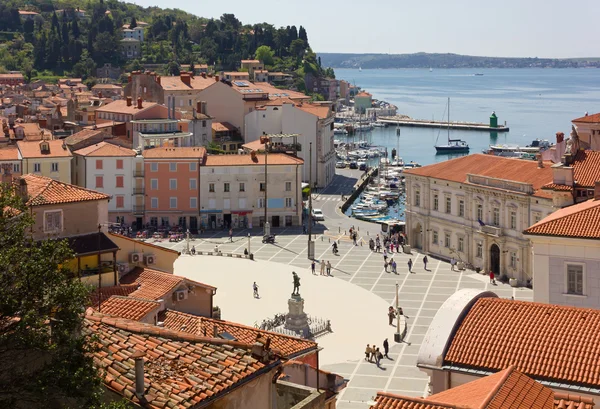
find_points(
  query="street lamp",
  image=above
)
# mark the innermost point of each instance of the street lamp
(265, 140)
(249, 251)
(311, 244)
(397, 337)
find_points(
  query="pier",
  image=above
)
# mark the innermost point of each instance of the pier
(463, 126)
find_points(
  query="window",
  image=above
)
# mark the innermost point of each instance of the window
(99, 181)
(436, 202)
(37, 167)
(173, 202)
(153, 184)
(434, 238)
(448, 205)
(98, 163)
(537, 217)
(479, 213)
(575, 279)
(262, 186)
(119, 163)
(261, 203)
(193, 184)
(513, 259)
(288, 202)
(288, 186)
(120, 202)
(417, 198)
(225, 187)
(461, 244)
(172, 167)
(154, 167)
(461, 208)
(154, 203)
(193, 202)
(513, 220)
(53, 221)
(119, 182)
(496, 219)
(226, 203)
(54, 166)
(447, 240)
(242, 187)
(193, 166)
(172, 184)
(479, 252)
(211, 187)
(288, 221)
(16, 167)
(203, 124)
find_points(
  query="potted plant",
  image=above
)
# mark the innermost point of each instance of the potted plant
(514, 282)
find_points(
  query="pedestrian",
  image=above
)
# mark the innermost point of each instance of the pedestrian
(391, 247)
(410, 264)
(373, 353)
(386, 348)
(355, 237)
(304, 229)
(391, 315)
(231, 235)
(400, 312)
(492, 278)
(193, 250)
(378, 356)
(452, 263)
(328, 268)
(312, 266)
(322, 267)
(245, 252)
(425, 262)
(216, 248)
(385, 265)
(394, 266)
(255, 288)
(368, 353)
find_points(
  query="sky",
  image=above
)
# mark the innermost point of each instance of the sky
(504, 28)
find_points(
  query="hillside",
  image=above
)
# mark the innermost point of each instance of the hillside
(425, 60)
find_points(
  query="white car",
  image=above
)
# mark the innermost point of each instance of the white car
(317, 214)
(340, 165)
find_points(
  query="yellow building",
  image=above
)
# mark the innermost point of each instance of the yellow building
(50, 158)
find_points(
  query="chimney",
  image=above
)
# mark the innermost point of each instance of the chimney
(158, 79)
(560, 136)
(100, 95)
(203, 109)
(139, 105)
(216, 78)
(23, 189)
(203, 75)
(185, 78)
(128, 101)
(597, 190)
(215, 331)
(140, 388)
(540, 161)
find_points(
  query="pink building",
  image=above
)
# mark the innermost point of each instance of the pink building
(171, 179)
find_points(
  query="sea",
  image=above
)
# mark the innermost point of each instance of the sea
(534, 103)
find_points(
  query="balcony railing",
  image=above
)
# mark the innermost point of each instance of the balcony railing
(138, 190)
(138, 173)
(137, 210)
(491, 230)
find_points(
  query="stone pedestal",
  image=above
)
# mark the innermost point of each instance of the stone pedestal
(296, 319)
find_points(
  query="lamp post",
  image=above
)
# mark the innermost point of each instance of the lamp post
(187, 233)
(249, 251)
(397, 334)
(311, 244)
(267, 226)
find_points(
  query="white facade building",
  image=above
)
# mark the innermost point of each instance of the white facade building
(136, 33)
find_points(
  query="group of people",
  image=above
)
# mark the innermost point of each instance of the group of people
(373, 352)
(325, 268)
(390, 243)
(353, 235)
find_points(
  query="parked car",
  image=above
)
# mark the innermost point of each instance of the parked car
(353, 165)
(317, 214)
(362, 165)
(340, 165)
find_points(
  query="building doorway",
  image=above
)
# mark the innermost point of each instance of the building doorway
(418, 233)
(193, 224)
(139, 224)
(212, 221)
(227, 220)
(275, 221)
(495, 259)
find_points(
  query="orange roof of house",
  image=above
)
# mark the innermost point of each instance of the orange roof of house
(267, 88)
(586, 168)
(9, 152)
(320, 111)
(237, 73)
(120, 107)
(547, 342)
(180, 370)
(594, 118)
(24, 12)
(18, 76)
(246, 160)
(197, 82)
(144, 244)
(174, 153)
(363, 94)
(564, 401)
(82, 136)
(554, 186)
(128, 307)
(223, 127)
(45, 191)
(254, 146)
(155, 284)
(581, 220)
(104, 293)
(105, 149)
(250, 61)
(516, 170)
(180, 321)
(32, 149)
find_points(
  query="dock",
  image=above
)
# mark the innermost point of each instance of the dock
(463, 126)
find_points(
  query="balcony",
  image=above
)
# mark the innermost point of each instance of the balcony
(138, 173)
(491, 230)
(138, 210)
(138, 191)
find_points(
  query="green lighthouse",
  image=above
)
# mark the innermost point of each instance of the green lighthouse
(493, 120)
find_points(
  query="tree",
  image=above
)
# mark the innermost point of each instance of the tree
(172, 68)
(85, 68)
(44, 358)
(264, 54)
(133, 23)
(297, 48)
(302, 34)
(75, 29)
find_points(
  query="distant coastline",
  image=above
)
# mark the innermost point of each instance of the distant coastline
(425, 60)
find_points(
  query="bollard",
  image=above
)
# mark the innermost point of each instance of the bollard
(345, 232)
(367, 233)
(321, 238)
(358, 228)
(339, 229)
(330, 239)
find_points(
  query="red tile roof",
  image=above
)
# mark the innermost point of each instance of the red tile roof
(120, 107)
(128, 307)
(180, 370)
(82, 136)
(586, 168)
(363, 94)
(45, 191)
(174, 153)
(9, 153)
(516, 170)
(246, 160)
(546, 342)
(564, 401)
(155, 284)
(197, 82)
(145, 244)
(180, 321)
(105, 149)
(595, 118)
(581, 220)
(104, 293)
(320, 111)
(32, 149)
(223, 127)
(554, 186)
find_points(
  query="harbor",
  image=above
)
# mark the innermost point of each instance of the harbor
(423, 123)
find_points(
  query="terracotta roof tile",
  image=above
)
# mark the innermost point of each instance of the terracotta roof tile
(45, 191)
(517, 170)
(250, 61)
(32, 149)
(180, 321)
(554, 186)
(581, 221)
(105, 149)
(180, 370)
(82, 136)
(246, 160)
(320, 111)
(128, 307)
(120, 107)
(175, 84)
(223, 127)
(564, 401)
(144, 244)
(595, 118)
(155, 284)
(363, 94)
(586, 168)
(545, 342)
(174, 153)
(9, 152)
(104, 293)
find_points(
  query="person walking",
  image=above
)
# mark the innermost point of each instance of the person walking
(410, 264)
(425, 262)
(391, 315)
(386, 348)
(193, 250)
(385, 265)
(378, 356)
(394, 266)
(231, 235)
(492, 278)
(452, 263)
(373, 351)
(328, 268)
(312, 267)
(255, 288)
(368, 353)
(322, 267)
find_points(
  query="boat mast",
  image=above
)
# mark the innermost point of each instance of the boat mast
(448, 120)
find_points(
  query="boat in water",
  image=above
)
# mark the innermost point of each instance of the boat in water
(340, 131)
(537, 145)
(453, 145)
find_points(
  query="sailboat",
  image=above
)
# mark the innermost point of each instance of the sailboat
(359, 68)
(430, 69)
(454, 145)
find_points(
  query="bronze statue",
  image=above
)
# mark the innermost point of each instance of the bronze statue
(296, 284)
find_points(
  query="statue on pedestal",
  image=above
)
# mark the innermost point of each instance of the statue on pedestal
(296, 291)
